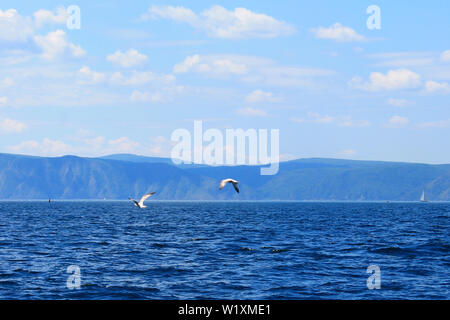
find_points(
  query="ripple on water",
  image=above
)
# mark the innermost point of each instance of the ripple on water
(232, 250)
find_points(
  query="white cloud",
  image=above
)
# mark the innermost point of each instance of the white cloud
(398, 102)
(14, 27)
(252, 112)
(397, 122)
(76, 51)
(138, 78)
(346, 153)
(435, 124)
(138, 96)
(252, 70)
(393, 80)
(3, 100)
(210, 65)
(406, 62)
(347, 121)
(161, 146)
(337, 32)
(88, 76)
(7, 82)
(124, 145)
(437, 87)
(130, 58)
(84, 142)
(403, 59)
(219, 22)
(55, 44)
(14, 57)
(315, 118)
(445, 56)
(187, 64)
(341, 121)
(47, 147)
(318, 118)
(12, 126)
(261, 96)
(59, 16)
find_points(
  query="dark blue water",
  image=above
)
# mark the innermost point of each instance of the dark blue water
(228, 250)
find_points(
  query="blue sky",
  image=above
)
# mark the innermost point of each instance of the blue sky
(136, 71)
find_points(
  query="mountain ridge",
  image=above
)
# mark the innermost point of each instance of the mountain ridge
(74, 177)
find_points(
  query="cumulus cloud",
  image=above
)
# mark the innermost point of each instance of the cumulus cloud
(219, 22)
(437, 87)
(46, 147)
(83, 144)
(445, 56)
(3, 100)
(138, 96)
(55, 44)
(397, 102)
(337, 32)
(261, 96)
(130, 58)
(397, 122)
(211, 65)
(88, 76)
(42, 17)
(252, 70)
(252, 112)
(14, 27)
(12, 126)
(124, 145)
(138, 78)
(187, 64)
(398, 79)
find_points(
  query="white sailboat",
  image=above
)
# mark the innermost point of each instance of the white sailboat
(422, 198)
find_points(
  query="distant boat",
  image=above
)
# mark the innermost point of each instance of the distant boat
(422, 198)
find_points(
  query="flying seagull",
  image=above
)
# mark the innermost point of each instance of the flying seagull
(140, 204)
(225, 181)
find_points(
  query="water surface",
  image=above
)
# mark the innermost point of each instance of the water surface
(224, 250)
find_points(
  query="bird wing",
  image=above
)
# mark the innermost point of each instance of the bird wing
(135, 202)
(144, 197)
(223, 183)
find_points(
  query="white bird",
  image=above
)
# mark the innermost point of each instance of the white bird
(232, 181)
(140, 204)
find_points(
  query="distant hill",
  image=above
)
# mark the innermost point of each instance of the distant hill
(121, 176)
(141, 159)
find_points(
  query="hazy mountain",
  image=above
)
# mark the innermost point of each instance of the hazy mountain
(144, 159)
(121, 176)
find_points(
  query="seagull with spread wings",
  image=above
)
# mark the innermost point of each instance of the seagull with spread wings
(232, 181)
(140, 204)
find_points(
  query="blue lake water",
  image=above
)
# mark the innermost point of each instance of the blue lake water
(224, 250)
